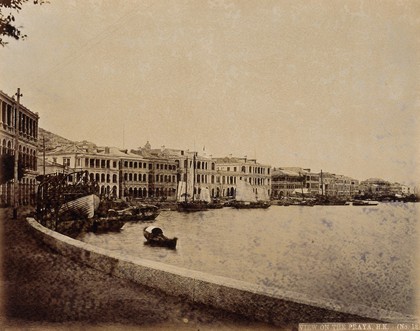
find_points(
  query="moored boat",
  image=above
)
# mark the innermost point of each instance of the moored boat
(136, 213)
(215, 204)
(246, 198)
(186, 200)
(250, 204)
(105, 224)
(192, 206)
(155, 237)
(365, 203)
(84, 206)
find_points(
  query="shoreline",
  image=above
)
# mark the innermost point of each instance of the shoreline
(45, 290)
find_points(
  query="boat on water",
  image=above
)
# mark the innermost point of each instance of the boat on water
(215, 204)
(136, 213)
(246, 198)
(327, 201)
(204, 196)
(68, 203)
(365, 203)
(84, 206)
(251, 204)
(307, 203)
(155, 237)
(66, 196)
(105, 224)
(192, 206)
(186, 200)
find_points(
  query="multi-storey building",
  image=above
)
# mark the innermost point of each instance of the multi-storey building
(232, 169)
(338, 185)
(375, 187)
(102, 164)
(311, 182)
(177, 165)
(286, 183)
(119, 173)
(218, 175)
(18, 133)
(157, 174)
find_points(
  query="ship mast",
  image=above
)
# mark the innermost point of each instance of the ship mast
(193, 186)
(186, 180)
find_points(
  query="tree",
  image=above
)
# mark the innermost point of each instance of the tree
(7, 21)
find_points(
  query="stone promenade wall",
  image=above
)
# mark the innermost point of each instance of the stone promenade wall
(262, 303)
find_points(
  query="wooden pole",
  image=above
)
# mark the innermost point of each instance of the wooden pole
(43, 155)
(16, 148)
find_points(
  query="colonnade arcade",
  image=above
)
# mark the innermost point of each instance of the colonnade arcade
(27, 184)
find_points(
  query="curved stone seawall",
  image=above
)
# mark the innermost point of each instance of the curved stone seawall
(259, 302)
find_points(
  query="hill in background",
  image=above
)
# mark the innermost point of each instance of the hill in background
(53, 140)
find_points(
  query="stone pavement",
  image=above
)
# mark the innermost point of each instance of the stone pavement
(42, 290)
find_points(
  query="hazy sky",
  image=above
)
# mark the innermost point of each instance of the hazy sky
(331, 85)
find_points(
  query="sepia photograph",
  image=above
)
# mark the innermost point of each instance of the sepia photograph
(209, 165)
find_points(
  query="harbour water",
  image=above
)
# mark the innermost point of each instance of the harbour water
(355, 255)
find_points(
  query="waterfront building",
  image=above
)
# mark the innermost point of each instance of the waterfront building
(232, 169)
(334, 185)
(375, 187)
(174, 165)
(311, 182)
(401, 189)
(156, 174)
(218, 175)
(118, 172)
(286, 182)
(102, 163)
(407, 190)
(18, 128)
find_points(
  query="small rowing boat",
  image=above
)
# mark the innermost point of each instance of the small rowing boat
(155, 237)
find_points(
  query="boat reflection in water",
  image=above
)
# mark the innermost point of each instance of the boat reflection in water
(355, 255)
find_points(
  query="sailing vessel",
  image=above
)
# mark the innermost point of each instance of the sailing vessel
(186, 201)
(326, 200)
(204, 195)
(246, 198)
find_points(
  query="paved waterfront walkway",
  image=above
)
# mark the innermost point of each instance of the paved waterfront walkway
(42, 290)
